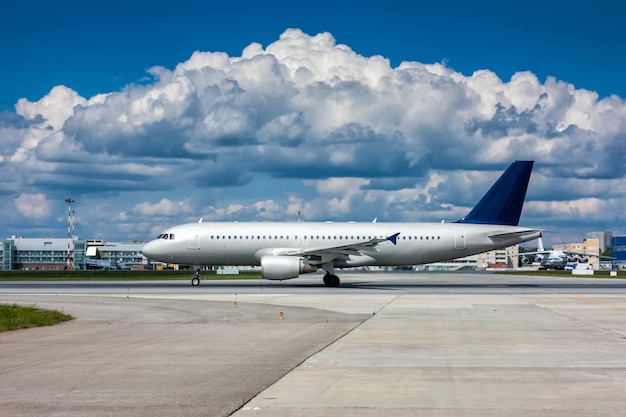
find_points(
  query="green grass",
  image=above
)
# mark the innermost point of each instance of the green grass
(94, 275)
(566, 274)
(13, 317)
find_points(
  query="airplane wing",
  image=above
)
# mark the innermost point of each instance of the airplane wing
(328, 253)
(544, 252)
(587, 255)
(566, 252)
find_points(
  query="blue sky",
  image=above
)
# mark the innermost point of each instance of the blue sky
(107, 120)
(101, 46)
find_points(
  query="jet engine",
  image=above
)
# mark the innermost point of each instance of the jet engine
(538, 258)
(284, 267)
(525, 260)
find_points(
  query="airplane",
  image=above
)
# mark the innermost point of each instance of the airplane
(284, 250)
(557, 259)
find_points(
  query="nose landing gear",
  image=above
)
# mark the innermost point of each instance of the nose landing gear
(195, 281)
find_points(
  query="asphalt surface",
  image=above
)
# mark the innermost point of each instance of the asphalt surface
(401, 344)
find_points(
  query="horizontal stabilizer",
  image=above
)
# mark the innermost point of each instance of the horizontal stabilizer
(516, 233)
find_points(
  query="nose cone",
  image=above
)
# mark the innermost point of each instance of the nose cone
(150, 250)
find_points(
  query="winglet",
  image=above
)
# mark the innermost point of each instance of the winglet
(503, 202)
(393, 238)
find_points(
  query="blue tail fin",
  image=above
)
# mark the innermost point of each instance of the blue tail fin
(503, 202)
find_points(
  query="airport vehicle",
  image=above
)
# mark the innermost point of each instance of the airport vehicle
(284, 250)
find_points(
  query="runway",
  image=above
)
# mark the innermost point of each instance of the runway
(401, 344)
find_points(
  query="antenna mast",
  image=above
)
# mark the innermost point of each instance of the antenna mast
(70, 234)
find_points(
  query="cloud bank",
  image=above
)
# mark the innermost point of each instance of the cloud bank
(308, 125)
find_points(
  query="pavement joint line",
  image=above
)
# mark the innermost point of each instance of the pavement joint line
(598, 302)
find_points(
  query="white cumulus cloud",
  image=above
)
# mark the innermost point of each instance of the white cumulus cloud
(34, 206)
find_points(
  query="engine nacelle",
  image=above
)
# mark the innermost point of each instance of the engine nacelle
(284, 267)
(538, 258)
(525, 260)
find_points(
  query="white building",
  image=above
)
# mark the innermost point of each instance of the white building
(52, 254)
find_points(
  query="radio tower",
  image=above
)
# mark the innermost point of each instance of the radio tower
(70, 234)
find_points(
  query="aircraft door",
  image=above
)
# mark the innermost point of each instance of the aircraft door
(459, 238)
(194, 241)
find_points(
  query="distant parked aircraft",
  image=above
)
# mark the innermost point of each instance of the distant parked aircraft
(557, 259)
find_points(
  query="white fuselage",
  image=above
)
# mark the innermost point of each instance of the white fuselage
(246, 243)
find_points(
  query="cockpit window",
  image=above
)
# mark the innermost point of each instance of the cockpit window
(166, 236)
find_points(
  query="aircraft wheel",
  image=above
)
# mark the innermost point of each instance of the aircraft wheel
(195, 281)
(331, 280)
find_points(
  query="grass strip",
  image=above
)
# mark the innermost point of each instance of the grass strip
(13, 317)
(565, 274)
(98, 275)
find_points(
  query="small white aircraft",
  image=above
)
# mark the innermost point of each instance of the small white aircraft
(286, 250)
(557, 259)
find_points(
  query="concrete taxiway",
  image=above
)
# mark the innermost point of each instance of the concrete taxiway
(382, 344)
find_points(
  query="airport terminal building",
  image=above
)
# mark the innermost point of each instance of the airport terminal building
(619, 252)
(52, 254)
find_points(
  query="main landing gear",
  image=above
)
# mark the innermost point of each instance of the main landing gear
(331, 280)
